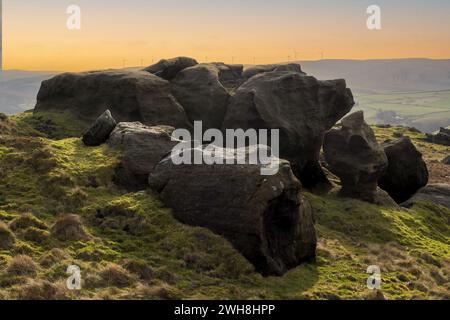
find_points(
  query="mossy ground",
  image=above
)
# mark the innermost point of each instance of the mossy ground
(137, 250)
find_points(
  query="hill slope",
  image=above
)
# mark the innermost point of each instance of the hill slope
(138, 250)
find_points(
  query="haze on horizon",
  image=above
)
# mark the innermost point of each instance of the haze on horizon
(116, 34)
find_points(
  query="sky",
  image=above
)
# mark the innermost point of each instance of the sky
(117, 33)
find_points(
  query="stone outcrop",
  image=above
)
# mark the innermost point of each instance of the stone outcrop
(142, 148)
(168, 69)
(264, 217)
(434, 193)
(258, 69)
(301, 107)
(354, 155)
(441, 137)
(129, 95)
(99, 132)
(202, 95)
(407, 171)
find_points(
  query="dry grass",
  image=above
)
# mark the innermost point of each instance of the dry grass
(7, 238)
(69, 227)
(22, 265)
(115, 275)
(42, 290)
(25, 221)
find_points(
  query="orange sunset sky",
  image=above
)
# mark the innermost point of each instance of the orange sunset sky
(130, 33)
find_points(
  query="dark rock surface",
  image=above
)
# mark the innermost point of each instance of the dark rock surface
(202, 95)
(301, 107)
(354, 155)
(407, 171)
(446, 160)
(264, 217)
(99, 132)
(129, 95)
(168, 69)
(442, 137)
(230, 75)
(258, 69)
(435, 193)
(142, 148)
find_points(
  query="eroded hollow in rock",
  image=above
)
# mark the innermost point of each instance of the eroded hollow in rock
(280, 220)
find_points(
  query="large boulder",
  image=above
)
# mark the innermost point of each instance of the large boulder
(129, 95)
(99, 132)
(258, 69)
(441, 137)
(301, 107)
(168, 69)
(354, 155)
(434, 193)
(202, 95)
(406, 173)
(142, 148)
(264, 217)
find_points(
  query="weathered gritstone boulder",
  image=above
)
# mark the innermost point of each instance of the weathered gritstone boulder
(168, 69)
(129, 95)
(406, 173)
(434, 193)
(142, 148)
(264, 217)
(301, 107)
(354, 155)
(100, 130)
(258, 69)
(202, 95)
(442, 137)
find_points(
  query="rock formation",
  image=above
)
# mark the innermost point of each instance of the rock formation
(406, 173)
(100, 130)
(434, 193)
(442, 137)
(354, 155)
(129, 95)
(168, 69)
(202, 95)
(142, 148)
(301, 107)
(264, 217)
(255, 70)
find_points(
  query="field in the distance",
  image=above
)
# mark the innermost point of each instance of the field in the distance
(427, 111)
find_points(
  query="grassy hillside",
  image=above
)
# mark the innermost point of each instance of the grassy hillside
(138, 250)
(427, 111)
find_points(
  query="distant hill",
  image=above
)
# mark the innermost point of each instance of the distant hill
(414, 92)
(381, 76)
(18, 89)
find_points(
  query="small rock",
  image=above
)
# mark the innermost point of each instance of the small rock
(100, 130)
(442, 137)
(446, 160)
(434, 193)
(406, 173)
